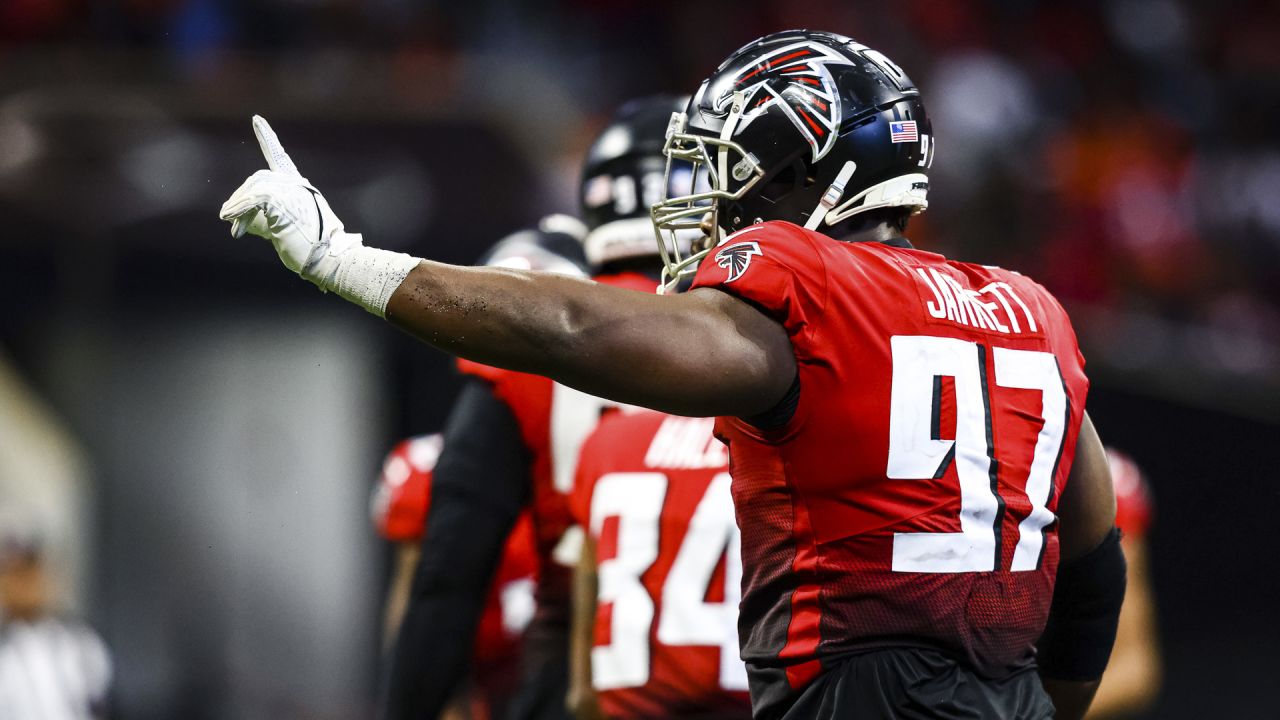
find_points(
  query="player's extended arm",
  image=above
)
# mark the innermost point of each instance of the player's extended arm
(582, 699)
(700, 353)
(1076, 644)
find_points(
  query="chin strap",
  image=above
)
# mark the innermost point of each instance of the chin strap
(903, 191)
(834, 192)
(726, 136)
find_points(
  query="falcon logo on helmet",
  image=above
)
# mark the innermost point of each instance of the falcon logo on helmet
(794, 78)
(736, 258)
(798, 126)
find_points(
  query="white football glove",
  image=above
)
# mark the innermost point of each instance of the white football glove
(280, 205)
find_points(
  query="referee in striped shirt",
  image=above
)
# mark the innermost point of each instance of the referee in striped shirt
(51, 668)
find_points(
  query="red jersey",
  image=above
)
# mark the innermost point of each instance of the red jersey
(1133, 498)
(400, 502)
(909, 501)
(653, 491)
(554, 421)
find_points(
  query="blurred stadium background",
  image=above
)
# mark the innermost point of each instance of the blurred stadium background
(197, 431)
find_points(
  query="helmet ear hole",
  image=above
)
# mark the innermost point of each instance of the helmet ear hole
(780, 185)
(793, 176)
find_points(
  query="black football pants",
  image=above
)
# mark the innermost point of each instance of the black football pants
(917, 684)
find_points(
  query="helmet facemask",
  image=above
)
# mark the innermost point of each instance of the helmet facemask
(714, 165)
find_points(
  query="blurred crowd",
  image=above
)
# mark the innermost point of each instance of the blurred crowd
(1124, 152)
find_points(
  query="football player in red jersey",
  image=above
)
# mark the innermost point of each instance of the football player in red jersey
(399, 508)
(513, 441)
(657, 589)
(927, 512)
(1133, 676)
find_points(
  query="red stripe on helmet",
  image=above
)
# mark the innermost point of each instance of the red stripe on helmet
(812, 124)
(770, 63)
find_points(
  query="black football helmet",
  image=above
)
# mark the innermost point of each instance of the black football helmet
(804, 126)
(623, 176)
(555, 245)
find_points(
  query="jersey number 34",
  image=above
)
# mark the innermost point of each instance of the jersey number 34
(685, 617)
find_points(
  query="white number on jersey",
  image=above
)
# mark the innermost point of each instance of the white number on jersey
(917, 453)
(686, 618)
(636, 500)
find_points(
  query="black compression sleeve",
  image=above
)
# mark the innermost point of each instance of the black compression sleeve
(478, 488)
(1077, 640)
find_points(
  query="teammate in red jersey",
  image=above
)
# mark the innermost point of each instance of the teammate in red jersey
(399, 508)
(920, 490)
(514, 440)
(1133, 676)
(657, 588)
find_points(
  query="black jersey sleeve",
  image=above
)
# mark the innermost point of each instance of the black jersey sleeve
(480, 484)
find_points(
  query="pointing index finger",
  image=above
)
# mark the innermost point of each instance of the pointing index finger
(277, 158)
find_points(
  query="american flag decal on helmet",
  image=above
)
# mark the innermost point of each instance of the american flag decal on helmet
(736, 258)
(903, 131)
(796, 79)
